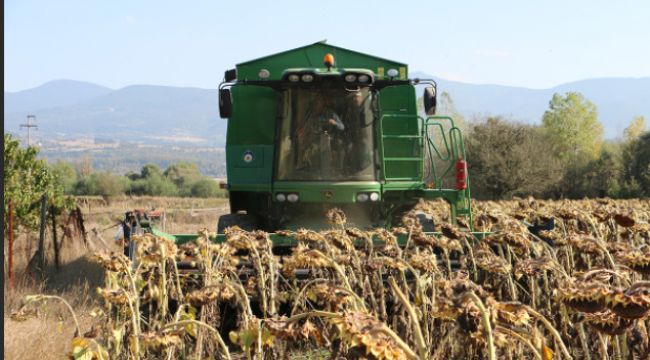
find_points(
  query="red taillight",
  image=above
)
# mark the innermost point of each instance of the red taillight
(461, 174)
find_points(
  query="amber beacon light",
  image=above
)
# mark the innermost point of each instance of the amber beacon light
(328, 60)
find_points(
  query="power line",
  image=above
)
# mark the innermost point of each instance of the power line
(29, 127)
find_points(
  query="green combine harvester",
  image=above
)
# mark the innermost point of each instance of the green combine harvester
(321, 126)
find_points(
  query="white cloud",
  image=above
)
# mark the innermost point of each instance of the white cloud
(493, 53)
(130, 19)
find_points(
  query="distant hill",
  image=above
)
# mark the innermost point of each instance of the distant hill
(618, 100)
(141, 113)
(67, 109)
(52, 94)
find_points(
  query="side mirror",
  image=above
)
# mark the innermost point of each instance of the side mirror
(430, 100)
(225, 103)
(230, 75)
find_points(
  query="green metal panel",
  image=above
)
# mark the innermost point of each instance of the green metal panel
(326, 191)
(251, 136)
(282, 240)
(400, 134)
(258, 170)
(311, 56)
(253, 115)
(402, 185)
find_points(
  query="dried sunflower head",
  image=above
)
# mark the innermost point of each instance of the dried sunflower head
(305, 235)
(633, 303)
(329, 296)
(585, 296)
(636, 260)
(488, 261)
(553, 237)
(608, 322)
(422, 239)
(159, 340)
(339, 239)
(585, 243)
(151, 250)
(624, 219)
(115, 262)
(386, 236)
(281, 329)
(384, 262)
(451, 232)
(533, 267)
(366, 332)
(411, 222)
(238, 238)
(357, 233)
(114, 296)
(304, 258)
(210, 294)
(424, 261)
(513, 313)
(336, 216)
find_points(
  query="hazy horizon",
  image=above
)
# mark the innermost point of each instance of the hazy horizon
(412, 71)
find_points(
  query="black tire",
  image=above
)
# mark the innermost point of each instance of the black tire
(225, 103)
(426, 221)
(244, 221)
(430, 100)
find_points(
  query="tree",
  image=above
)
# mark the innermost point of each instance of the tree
(636, 162)
(26, 180)
(150, 170)
(101, 183)
(504, 159)
(636, 129)
(154, 186)
(183, 175)
(205, 188)
(571, 124)
(447, 107)
(597, 178)
(65, 174)
(84, 166)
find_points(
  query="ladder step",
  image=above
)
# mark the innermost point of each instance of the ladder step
(402, 159)
(402, 136)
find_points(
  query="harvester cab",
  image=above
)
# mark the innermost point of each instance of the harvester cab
(321, 126)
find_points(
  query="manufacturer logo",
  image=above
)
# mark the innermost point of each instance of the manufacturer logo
(248, 156)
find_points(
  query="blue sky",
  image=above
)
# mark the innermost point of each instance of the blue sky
(116, 43)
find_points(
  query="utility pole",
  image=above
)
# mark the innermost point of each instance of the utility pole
(29, 127)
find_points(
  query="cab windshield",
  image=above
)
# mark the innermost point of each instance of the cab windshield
(326, 133)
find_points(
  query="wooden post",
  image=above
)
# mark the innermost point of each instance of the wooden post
(57, 246)
(11, 245)
(41, 235)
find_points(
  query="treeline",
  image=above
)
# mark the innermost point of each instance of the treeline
(564, 157)
(179, 179)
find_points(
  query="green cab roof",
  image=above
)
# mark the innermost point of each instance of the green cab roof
(311, 56)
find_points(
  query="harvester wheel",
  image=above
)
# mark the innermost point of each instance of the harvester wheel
(426, 221)
(244, 221)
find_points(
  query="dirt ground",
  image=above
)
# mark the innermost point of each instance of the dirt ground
(48, 336)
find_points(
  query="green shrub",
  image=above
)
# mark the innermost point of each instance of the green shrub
(206, 188)
(102, 184)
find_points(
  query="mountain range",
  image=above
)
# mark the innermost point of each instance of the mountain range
(67, 109)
